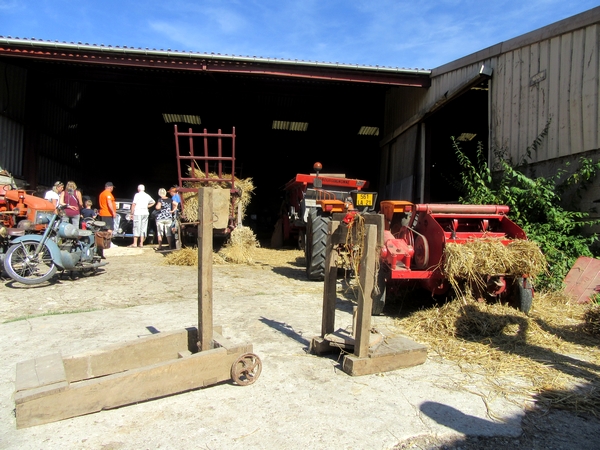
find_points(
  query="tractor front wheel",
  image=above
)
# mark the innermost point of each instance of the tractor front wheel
(316, 243)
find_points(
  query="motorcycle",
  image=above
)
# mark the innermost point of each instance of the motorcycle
(33, 258)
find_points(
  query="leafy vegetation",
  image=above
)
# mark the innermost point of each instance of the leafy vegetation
(535, 205)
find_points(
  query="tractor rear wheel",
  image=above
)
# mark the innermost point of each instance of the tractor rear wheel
(316, 243)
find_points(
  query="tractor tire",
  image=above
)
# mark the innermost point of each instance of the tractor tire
(316, 243)
(522, 296)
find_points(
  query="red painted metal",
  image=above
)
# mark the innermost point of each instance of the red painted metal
(583, 280)
(203, 159)
(435, 225)
(302, 180)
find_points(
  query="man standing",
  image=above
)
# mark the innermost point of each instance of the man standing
(139, 211)
(108, 207)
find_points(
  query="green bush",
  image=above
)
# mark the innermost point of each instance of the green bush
(535, 205)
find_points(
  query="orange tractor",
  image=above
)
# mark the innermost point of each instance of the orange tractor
(21, 213)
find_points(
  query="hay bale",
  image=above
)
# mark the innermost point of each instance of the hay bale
(473, 260)
(240, 247)
(190, 199)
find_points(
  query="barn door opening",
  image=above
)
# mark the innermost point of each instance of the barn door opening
(466, 119)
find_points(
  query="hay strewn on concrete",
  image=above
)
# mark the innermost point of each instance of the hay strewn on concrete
(548, 348)
(239, 249)
(190, 199)
(474, 260)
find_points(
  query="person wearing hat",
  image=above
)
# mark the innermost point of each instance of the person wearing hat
(54, 194)
(108, 207)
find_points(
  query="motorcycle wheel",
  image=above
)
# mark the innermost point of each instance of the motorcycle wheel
(21, 264)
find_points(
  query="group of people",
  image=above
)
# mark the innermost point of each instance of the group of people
(69, 196)
(166, 209)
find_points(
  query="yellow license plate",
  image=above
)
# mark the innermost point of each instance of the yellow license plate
(364, 199)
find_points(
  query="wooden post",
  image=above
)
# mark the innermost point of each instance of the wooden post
(205, 269)
(329, 294)
(365, 301)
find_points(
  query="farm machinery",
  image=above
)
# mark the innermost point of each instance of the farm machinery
(310, 202)
(20, 213)
(415, 243)
(202, 160)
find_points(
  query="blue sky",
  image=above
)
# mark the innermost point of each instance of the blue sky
(370, 32)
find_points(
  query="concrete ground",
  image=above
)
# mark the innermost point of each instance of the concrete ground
(300, 401)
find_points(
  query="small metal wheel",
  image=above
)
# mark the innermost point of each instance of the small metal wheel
(246, 369)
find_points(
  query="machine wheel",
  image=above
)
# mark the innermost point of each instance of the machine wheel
(523, 294)
(22, 265)
(246, 369)
(421, 257)
(302, 240)
(379, 291)
(316, 243)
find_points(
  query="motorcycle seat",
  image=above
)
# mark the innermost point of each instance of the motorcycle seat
(15, 232)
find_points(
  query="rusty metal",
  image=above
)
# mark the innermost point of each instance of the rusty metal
(246, 369)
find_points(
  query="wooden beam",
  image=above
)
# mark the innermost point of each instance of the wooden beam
(329, 290)
(365, 301)
(205, 269)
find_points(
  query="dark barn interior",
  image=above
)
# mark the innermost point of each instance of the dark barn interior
(116, 131)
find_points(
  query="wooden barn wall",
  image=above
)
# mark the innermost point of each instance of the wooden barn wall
(554, 80)
(399, 168)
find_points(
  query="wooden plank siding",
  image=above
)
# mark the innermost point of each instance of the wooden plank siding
(549, 74)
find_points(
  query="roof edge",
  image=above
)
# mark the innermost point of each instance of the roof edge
(124, 50)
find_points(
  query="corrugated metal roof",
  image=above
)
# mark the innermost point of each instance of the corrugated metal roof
(40, 43)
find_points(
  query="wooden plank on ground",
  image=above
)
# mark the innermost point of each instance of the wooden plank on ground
(133, 386)
(43, 371)
(395, 353)
(115, 358)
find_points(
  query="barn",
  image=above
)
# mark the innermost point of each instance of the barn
(95, 113)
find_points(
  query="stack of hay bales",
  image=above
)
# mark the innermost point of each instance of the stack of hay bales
(190, 199)
(472, 261)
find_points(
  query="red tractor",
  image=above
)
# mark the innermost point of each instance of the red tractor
(310, 201)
